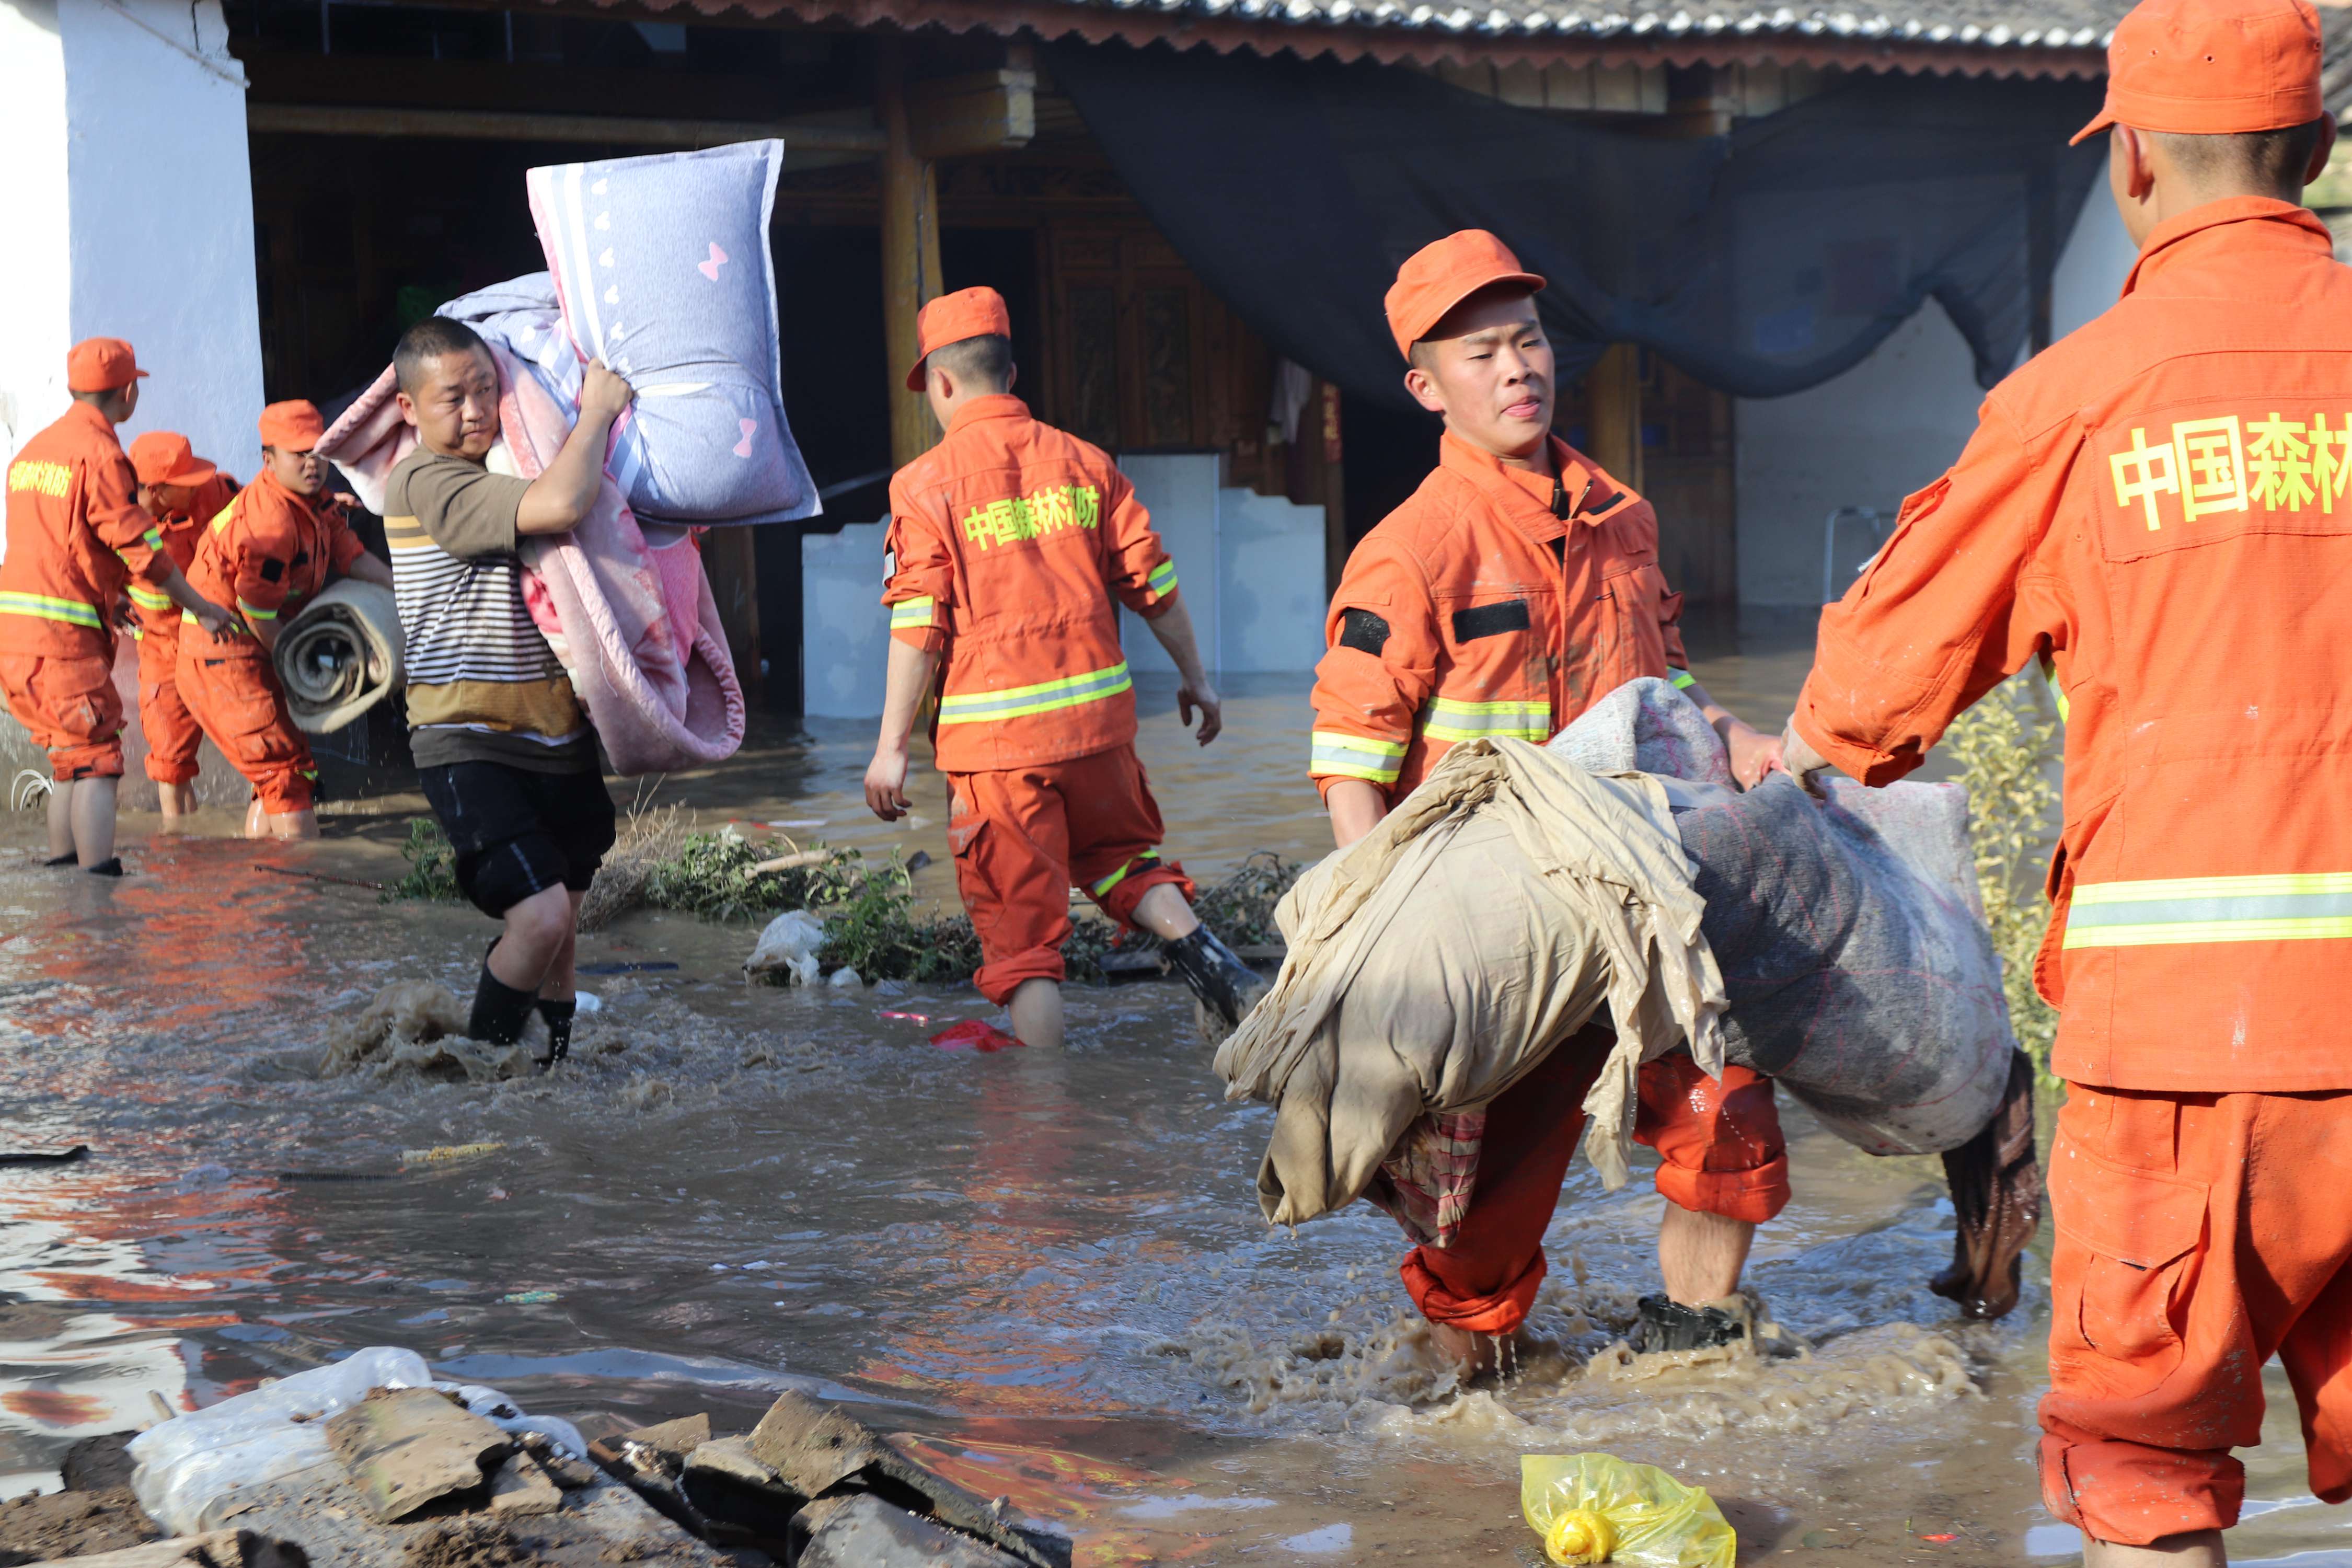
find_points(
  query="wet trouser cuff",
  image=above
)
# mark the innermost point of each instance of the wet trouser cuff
(2134, 1494)
(500, 1010)
(1754, 1195)
(1499, 1313)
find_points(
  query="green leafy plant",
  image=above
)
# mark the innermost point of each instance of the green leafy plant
(2006, 749)
(432, 874)
(718, 877)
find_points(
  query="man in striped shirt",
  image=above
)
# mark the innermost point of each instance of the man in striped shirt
(506, 756)
(1011, 546)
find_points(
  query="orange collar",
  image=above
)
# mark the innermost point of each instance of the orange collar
(2164, 242)
(994, 405)
(87, 414)
(1518, 494)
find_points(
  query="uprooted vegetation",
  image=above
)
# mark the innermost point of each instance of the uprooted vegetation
(2005, 747)
(873, 921)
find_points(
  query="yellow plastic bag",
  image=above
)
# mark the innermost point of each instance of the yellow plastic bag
(1596, 1508)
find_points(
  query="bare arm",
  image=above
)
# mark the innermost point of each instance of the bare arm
(368, 568)
(1173, 628)
(182, 593)
(908, 681)
(1356, 807)
(561, 496)
(1753, 752)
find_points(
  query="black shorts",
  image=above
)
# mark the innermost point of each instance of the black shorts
(518, 833)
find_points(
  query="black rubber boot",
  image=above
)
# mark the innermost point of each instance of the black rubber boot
(1667, 1325)
(558, 1016)
(109, 867)
(69, 857)
(1226, 985)
(500, 1010)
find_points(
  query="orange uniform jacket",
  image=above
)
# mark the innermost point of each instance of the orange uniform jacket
(76, 536)
(1491, 603)
(1008, 541)
(270, 547)
(158, 616)
(2159, 505)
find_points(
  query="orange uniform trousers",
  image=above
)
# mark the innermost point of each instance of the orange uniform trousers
(1024, 836)
(1719, 1151)
(72, 710)
(2197, 1236)
(232, 689)
(171, 731)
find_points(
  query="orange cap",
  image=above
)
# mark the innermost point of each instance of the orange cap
(2213, 68)
(100, 365)
(291, 426)
(164, 457)
(950, 319)
(1441, 275)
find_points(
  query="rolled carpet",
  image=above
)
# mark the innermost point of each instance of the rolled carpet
(340, 656)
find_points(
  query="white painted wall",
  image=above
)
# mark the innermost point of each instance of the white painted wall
(1250, 567)
(845, 634)
(1885, 427)
(130, 214)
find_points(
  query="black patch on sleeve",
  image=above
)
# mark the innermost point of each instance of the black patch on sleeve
(301, 558)
(1490, 620)
(272, 569)
(1363, 631)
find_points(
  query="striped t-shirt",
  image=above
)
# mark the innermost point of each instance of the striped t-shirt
(483, 685)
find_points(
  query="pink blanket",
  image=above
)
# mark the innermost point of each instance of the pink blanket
(631, 616)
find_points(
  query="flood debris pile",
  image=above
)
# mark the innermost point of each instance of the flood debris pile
(370, 1462)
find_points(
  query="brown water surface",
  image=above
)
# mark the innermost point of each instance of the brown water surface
(1049, 1270)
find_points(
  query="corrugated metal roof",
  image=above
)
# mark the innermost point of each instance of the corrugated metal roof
(2023, 38)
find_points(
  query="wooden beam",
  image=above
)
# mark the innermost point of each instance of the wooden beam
(1612, 403)
(354, 120)
(911, 251)
(986, 111)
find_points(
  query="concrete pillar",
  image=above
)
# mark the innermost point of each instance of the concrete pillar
(130, 214)
(910, 252)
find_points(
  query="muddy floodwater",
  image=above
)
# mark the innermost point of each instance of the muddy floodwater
(1049, 1270)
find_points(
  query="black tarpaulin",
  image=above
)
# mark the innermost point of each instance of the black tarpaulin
(1762, 262)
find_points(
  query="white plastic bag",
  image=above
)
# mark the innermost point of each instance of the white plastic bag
(190, 1466)
(789, 945)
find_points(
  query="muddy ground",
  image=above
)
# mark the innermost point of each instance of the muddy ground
(1048, 1269)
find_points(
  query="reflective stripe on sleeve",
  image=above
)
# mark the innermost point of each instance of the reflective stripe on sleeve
(1045, 697)
(912, 613)
(70, 611)
(2179, 911)
(1164, 578)
(251, 614)
(1339, 755)
(149, 599)
(1447, 720)
(1683, 679)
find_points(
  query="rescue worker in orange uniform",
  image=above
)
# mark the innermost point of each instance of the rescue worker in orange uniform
(1012, 546)
(2156, 508)
(77, 538)
(1517, 586)
(182, 492)
(279, 542)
